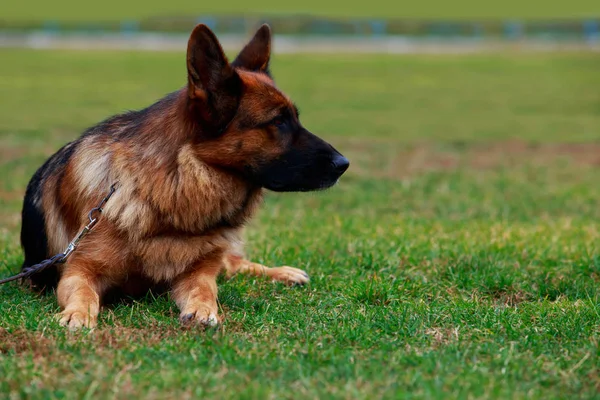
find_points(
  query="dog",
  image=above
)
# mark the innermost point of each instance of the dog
(190, 172)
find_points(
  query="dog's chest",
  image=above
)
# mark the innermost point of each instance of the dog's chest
(202, 213)
(164, 257)
(174, 217)
(182, 238)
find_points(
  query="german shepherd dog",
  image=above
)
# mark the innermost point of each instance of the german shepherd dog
(190, 170)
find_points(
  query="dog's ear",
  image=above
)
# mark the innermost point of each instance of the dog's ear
(257, 53)
(213, 84)
(207, 65)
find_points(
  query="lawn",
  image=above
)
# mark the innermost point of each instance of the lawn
(115, 10)
(456, 259)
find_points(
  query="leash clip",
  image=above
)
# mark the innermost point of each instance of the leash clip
(94, 217)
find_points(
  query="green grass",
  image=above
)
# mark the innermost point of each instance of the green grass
(457, 258)
(110, 10)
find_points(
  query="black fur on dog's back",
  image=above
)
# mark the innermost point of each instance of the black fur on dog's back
(34, 240)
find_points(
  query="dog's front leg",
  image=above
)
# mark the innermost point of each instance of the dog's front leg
(195, 292)
(79, 292)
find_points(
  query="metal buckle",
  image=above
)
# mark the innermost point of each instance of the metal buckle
(93, 221)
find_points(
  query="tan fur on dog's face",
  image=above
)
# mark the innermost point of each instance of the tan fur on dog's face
(250, 140)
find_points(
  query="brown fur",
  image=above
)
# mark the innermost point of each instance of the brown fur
(182, 195)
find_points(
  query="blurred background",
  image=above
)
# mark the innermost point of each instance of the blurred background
(380, 26)
(407, 90)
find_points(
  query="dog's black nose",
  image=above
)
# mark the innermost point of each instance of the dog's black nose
(340, 164)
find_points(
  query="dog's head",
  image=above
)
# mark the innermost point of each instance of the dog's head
(248, 125)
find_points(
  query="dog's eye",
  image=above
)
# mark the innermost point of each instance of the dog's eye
(279, 122)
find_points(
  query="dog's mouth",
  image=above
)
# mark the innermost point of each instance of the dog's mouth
(279, 186)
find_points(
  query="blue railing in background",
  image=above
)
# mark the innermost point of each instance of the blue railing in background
(585, 30)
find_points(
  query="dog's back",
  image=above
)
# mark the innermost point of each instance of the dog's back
(34, 239)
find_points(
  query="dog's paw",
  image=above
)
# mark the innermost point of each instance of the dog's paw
(76, 320)
(202, 317)
(289, 275)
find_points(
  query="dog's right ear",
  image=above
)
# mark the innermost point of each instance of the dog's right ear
(213, 84)
(207, 65)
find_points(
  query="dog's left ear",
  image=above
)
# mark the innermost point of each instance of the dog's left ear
(257, 53)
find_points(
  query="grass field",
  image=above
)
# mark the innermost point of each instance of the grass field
(457, 258)
(110, 10)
